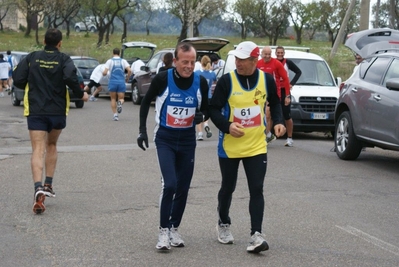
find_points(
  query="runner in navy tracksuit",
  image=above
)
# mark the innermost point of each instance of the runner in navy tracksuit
(181, 101)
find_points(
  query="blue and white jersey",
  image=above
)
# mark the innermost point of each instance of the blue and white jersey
(175, 108)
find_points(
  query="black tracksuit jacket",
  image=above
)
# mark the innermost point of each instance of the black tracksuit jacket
(45, 75)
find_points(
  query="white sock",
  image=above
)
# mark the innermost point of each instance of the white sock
(269, 134)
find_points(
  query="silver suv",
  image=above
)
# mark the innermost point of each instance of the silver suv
(367, 110)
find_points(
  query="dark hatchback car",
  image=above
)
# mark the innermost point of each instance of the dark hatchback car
(367, 111)
(86, 65)
(142, 80)
(17, 94)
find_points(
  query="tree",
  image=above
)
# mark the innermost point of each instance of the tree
(105, 12)
(300, 16)
(191, 12)
(241, 10)
(31, 9)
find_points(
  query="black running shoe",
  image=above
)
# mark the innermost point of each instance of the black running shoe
(48, 190)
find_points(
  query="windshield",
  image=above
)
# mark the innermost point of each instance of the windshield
(314, 72)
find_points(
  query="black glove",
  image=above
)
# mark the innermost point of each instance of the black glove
(199, 117)
(142, 138)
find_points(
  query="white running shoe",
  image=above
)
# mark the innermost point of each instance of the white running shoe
(200, 136)
(257, 243)
(224, 234)
(92, 98)
(116, 118)
(163, 239)
(175, 238)
(289, 142)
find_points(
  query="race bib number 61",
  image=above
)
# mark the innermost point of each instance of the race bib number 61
(248, 117)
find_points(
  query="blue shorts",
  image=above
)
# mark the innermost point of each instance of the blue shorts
(117, 87)
(46, 123)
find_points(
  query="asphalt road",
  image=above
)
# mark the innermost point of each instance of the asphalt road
(320, 211)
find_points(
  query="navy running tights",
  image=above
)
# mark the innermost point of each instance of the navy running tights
(176, 161)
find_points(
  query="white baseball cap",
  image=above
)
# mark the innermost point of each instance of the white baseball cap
(245, 50)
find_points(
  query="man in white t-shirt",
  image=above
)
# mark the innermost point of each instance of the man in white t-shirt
(136, 65)
(95, 80)
(4, 69)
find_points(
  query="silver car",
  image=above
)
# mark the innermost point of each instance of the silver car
(367, 110)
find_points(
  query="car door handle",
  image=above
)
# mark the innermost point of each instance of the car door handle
(354, 89)
(377, 97)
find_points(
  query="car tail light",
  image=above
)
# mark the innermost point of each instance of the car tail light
(341, 86)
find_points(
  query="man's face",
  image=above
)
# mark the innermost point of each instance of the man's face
(280, 53)
(185, 62)
(246, 66)
(266, 54)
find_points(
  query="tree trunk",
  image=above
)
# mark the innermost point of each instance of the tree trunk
(341, 32)
(124, 33)
(376, 16)
(243, 31)
(364, 14)
(183, 32)
(392, 16)
(101, 33)
(298, 31)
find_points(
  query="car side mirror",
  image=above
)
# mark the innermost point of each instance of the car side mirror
(145, 68)
(393, 84)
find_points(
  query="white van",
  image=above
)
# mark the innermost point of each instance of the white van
(315, 94)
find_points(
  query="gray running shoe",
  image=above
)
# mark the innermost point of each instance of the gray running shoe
(257, 243)
(175, 238)
(163, 239)
(208, 132)
(116, 118)
(38, 205)
(119, 107)
(224, 234)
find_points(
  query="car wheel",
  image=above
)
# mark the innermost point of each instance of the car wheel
(136, 98)
(79, 104)
(14, 100)
(347, 146)
(92, 29)
(77, 29)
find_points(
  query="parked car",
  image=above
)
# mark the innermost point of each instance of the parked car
(367, 111)
(314, 95)
(17, 94)
(88, 24)
(86, 65)
(142, 80)
(18, 55)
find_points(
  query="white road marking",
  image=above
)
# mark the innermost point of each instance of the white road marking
(371, 239)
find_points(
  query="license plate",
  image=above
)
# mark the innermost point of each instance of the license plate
(319, 116)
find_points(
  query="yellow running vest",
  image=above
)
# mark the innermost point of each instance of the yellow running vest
(247, 107)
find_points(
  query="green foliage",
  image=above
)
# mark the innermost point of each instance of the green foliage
(86, 44)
